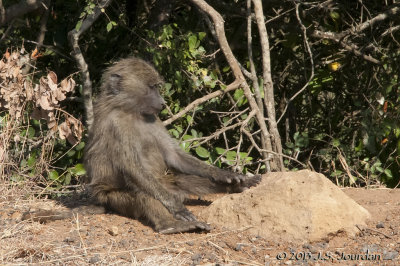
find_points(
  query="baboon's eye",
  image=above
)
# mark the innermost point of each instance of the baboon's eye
(156, 86)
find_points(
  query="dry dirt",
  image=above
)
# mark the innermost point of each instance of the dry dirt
(111, 239)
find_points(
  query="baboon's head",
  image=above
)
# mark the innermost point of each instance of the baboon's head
(134, 86)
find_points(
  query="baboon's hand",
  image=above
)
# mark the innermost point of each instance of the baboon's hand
(184, 215)
(182, 226)
(251, 181)
(226, 177)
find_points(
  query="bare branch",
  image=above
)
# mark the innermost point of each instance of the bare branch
(43, 25)
(269, 99)
(73, 36)
(253, 74)
(220, 33)
(41, 35)
(18, 10)
(338, 37)
(349, 47)
(361, 27)
(201, 100)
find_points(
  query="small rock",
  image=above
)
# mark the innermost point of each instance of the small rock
(124, 243)
(113, 230)
(239, 246)
(223, 244)
(322, 245)
(196, 258)
(390, 255)
(16, 216)
(211, 257)
(69, 240)
(126, 257)
(94, 259)
(374, 248)
(310, 248)
(380, 225)
(190, 243)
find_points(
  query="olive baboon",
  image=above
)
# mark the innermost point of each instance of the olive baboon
(134, 167)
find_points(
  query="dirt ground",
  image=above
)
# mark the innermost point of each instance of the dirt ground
(111, 239)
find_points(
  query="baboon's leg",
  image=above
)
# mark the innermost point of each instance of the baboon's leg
(139, 204)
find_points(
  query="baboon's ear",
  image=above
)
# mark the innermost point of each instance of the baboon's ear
(115, 80)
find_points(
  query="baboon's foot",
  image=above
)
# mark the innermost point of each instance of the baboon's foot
(183, 226)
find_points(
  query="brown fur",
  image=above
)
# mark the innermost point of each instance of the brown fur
(129, 152)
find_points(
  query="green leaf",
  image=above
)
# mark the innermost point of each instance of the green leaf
(189, 119)
(336, 143)
(78, 25)
(388, 173)
(23, 163)
(202, 152)
(201, 35)
(219, 150)
(334, 15)
(31, 161)
(109, 26)
(167, 86)
(226, 69)
(80, 146)
(79, 169)
(238, 94)
(67, 179)
(336, 173)
(174, 132)
(31, 132)
(187, 137)
(53, 175)
(192, 42)
(231, 155)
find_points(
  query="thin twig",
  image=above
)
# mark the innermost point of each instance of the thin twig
(308, 48)
(234, 85)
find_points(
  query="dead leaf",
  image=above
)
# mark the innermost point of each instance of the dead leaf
(51, 121)
(67, 85)
(64, 131)
(52, 80)
(44, 103)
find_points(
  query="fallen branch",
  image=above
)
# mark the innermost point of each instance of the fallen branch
(73, 37)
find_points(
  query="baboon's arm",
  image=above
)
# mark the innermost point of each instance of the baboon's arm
(185, 163)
